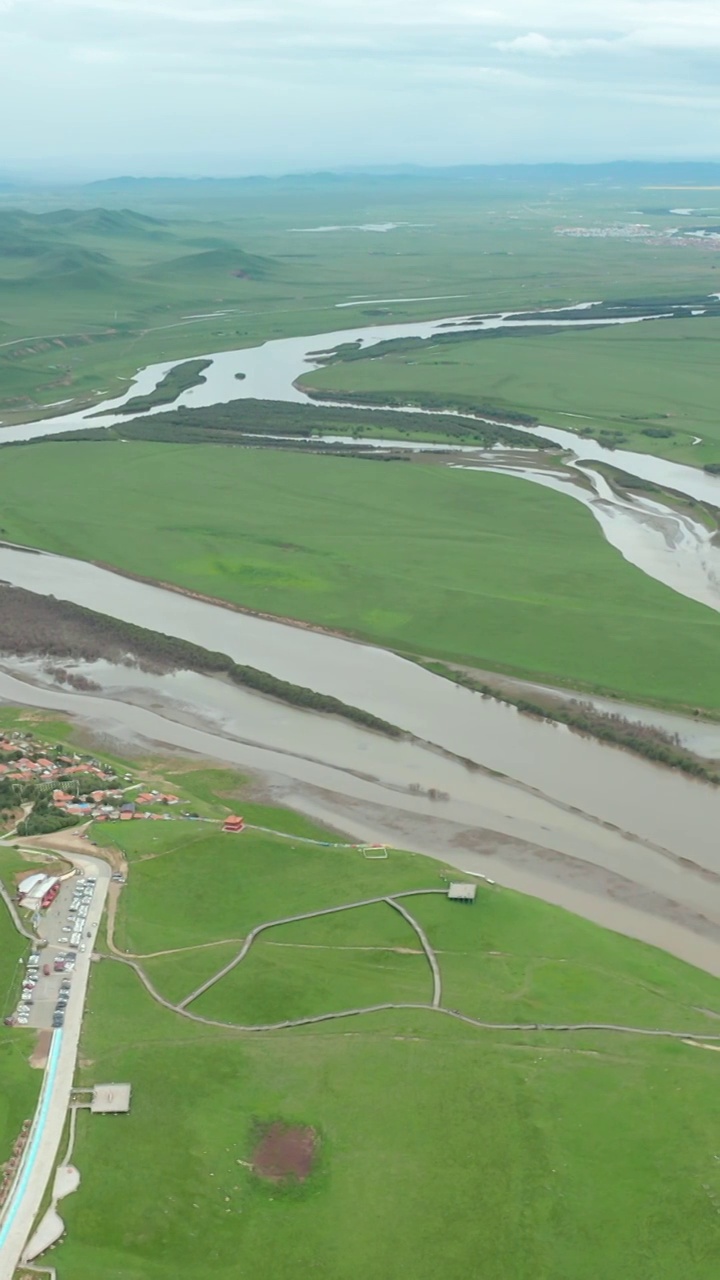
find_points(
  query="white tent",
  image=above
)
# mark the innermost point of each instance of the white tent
(30, 882)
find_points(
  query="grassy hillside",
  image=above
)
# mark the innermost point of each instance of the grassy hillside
(554, 1157)
(19, 1084)
(84, 284)
(475, 243)
(469, 566)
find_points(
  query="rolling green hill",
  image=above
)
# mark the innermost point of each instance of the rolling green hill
(224, 258)
(113, 222)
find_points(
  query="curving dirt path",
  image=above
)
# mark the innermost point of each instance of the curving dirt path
(328, 911)
(687, 1037)
(425, 944)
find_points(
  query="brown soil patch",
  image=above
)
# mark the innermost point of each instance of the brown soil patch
(285, 1151)
(39, 1055)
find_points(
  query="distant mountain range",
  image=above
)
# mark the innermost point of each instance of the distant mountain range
(622, 172)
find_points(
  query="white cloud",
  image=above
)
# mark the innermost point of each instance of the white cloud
(400, 78)
(537, 45)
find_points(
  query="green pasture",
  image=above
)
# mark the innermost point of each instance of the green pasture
(175, 975)
(473, 567)
(209, 888)
(345, 961)
(95, 296)
(563, 1157)
(19, 1084)
(620, 381)
(271, 985)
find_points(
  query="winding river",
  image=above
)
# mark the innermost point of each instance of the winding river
(671, 547)
(531, 804)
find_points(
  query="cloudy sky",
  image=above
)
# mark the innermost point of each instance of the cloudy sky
(239, 86)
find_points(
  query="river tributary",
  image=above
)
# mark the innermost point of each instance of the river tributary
(650, 832)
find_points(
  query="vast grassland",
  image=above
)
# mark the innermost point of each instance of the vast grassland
(95, 293)
(627, 382)
(473, 567)
(563, 1157)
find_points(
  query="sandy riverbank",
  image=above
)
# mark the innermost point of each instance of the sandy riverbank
(491, 827)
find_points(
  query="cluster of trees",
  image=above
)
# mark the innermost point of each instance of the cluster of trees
(257, 422)
(644, 740)
(177, 380)
(44, 818)
(33, 624)
(12, 795)
(626, 307)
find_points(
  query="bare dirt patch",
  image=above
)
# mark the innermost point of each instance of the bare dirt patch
(285, 1152)
(39, 1055)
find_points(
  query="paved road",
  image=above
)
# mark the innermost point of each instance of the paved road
(41, 1152)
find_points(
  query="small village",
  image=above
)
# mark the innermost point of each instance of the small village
(86, 788)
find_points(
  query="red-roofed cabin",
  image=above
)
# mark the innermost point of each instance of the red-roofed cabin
(233, 823)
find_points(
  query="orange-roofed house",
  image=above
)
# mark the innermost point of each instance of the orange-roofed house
(233, 823)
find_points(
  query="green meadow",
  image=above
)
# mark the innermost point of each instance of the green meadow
(467, 566)
(93, 293)
(628, 382)
(565, 1157)
(19, 1084)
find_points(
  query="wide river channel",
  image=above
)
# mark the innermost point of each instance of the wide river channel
(527, 803)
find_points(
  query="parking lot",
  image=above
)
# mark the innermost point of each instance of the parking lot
(67, 925)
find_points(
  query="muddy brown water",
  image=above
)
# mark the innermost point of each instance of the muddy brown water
(621, 834)
(647, 877)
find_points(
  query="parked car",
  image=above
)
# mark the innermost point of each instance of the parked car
(58, 1020)
(46, 970)
(23, 1019)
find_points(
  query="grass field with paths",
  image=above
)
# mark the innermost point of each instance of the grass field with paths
(553, 1157)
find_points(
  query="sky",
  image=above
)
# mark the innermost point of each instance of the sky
(101, 87)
